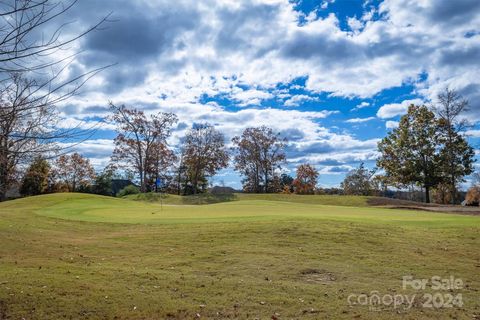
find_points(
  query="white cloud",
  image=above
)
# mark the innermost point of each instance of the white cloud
(87, 125)
(296, 100)
(325, 4)
(262, 44)
(473, 133)
(360, 120)
(250, 97)
(354, 24)
(391, 124)
(362, 105)
(392, 110)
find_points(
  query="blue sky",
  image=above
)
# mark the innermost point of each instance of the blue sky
(332, 76)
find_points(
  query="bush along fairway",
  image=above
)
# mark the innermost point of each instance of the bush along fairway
(78, 256)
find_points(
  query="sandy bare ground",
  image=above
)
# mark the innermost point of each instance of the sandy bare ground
(404, 204)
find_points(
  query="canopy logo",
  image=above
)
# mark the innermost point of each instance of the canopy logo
(436, 299)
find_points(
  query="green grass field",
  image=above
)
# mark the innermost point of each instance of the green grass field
(78, 256)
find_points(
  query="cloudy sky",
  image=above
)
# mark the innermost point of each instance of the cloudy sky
(332, 76)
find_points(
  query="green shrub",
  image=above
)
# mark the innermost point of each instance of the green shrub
(131, 189)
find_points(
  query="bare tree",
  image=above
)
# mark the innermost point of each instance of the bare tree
(141, 140)
(457, 154)
(204, 153)
(23, 45)
(451, 105)
(32, 82)
(28, 44)
(26, 128)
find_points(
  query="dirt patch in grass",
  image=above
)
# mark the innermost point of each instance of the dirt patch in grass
(431, 207)
(315, 275)
(3, 310)
(382, 201)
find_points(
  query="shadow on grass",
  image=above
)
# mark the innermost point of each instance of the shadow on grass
(208, 198)
(202, 198)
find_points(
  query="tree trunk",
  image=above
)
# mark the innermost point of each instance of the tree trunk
(266, 183)
(257, 181)
(185, 187)
(454, 190)
(142, 182)
(3, 177)
(179, 186)
(195, 181)
(74, 185)
(3, 184)
(427, 194)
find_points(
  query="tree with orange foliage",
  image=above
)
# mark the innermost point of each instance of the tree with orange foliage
(473, 196)
(306, 179)
(74, 171)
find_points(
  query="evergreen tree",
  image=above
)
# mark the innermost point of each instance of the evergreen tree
(411, 152)
(36, 178)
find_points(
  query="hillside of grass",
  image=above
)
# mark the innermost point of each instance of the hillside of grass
(328, 200)
(172, 199)
(80, 256)
(207, 198)
(90, 208)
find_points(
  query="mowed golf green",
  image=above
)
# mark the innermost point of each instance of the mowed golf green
(78, 256)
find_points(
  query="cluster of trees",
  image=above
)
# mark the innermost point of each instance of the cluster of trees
(141, 150)
(361, 182)
(428, 148)
(72, 173)
(258, 155)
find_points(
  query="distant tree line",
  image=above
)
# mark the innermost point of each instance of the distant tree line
(428, 150)
(142, 153)
(141, 147)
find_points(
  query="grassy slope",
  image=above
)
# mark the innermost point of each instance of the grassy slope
(106, 209)
(333, 200)
(242, 259)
